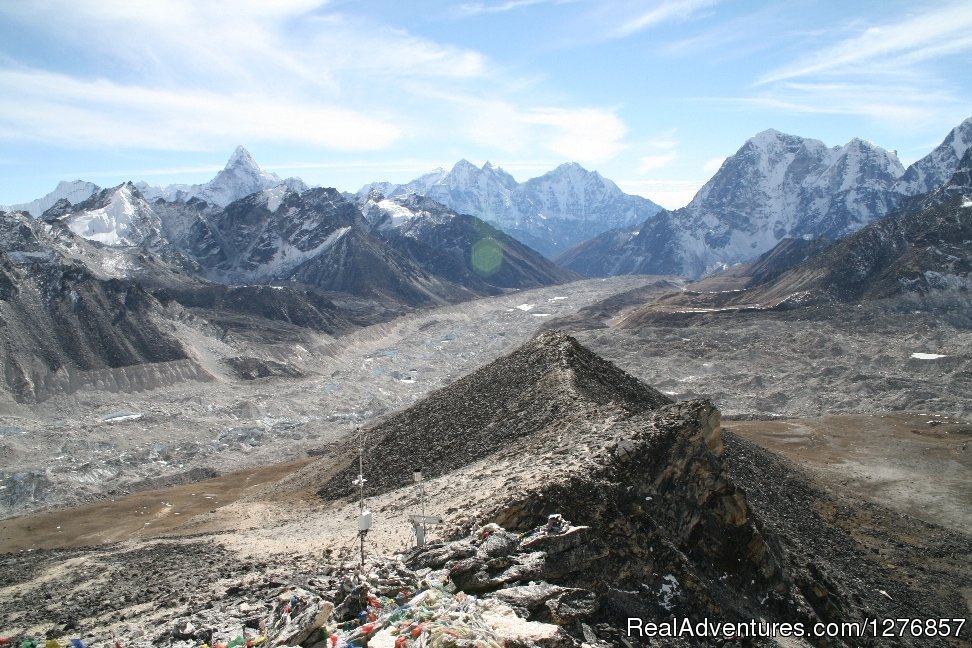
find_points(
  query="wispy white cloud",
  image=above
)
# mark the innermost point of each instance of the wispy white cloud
(904, 103)
(584, 134)
(659, 13)
(887, 72)
(654, 162)
(734, 38)
(190, 75)
(670, 194)
(479, 8)
(201, 76)
(932, 33)
(55, 108)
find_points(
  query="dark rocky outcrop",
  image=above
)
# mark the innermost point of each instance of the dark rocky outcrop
(528, 392)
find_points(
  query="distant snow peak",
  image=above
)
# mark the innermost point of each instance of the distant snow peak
(117, 216)
(775, 186)
(74, 192)
(551, 213)
(936, 168)
(242, 157)
(241, 177)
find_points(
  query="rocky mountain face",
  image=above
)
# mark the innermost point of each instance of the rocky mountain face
(63, 324)
(776, 186)
(922, 253)
(918, 258)
(240, 177)
(118, 216)
(317, 238)
(459, 247)
(936, 168)
(330, 269)
(550, 213)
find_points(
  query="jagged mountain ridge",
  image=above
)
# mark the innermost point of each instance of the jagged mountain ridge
(318, 238)
(240, 177)
(549, 213)
(936, 168)
(118, 216)
(61, 319)
(330, 271)
(919, 257)
(74, 192)
(923, 252)
(775, 187)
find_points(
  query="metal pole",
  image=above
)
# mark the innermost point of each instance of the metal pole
(361, 532)
(422, 491)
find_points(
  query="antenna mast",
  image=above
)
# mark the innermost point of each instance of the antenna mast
(364, 517)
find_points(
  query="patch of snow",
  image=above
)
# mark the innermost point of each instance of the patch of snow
(966, 201)
(121, 416)
(541, 314)
(108, 224)
(526, 307)
(927, 356)
(668, 592)
(289, 256)
(275, 196)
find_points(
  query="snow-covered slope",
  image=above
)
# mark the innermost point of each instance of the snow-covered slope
(776, 186)
(74, 192)
(935, 169)
(922, 253)
(115, 216)
(550, 213)
(240, 177)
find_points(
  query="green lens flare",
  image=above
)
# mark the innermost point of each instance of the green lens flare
(487, 256)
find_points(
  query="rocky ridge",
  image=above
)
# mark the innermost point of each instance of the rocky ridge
(776, 186)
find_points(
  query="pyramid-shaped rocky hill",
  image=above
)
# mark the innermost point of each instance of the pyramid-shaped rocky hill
(660, 525)
(545, 387)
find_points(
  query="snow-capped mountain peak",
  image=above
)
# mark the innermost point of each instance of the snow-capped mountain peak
(115, 216)
(775, 186)
(550, 213)
(74, 192)
(935, 169)
(242, 157)
(240, 177)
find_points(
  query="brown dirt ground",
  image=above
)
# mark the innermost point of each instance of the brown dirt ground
(141, 515)
(896, 460)
(917, 464)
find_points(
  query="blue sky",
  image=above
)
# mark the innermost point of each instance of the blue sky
(653, 94)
